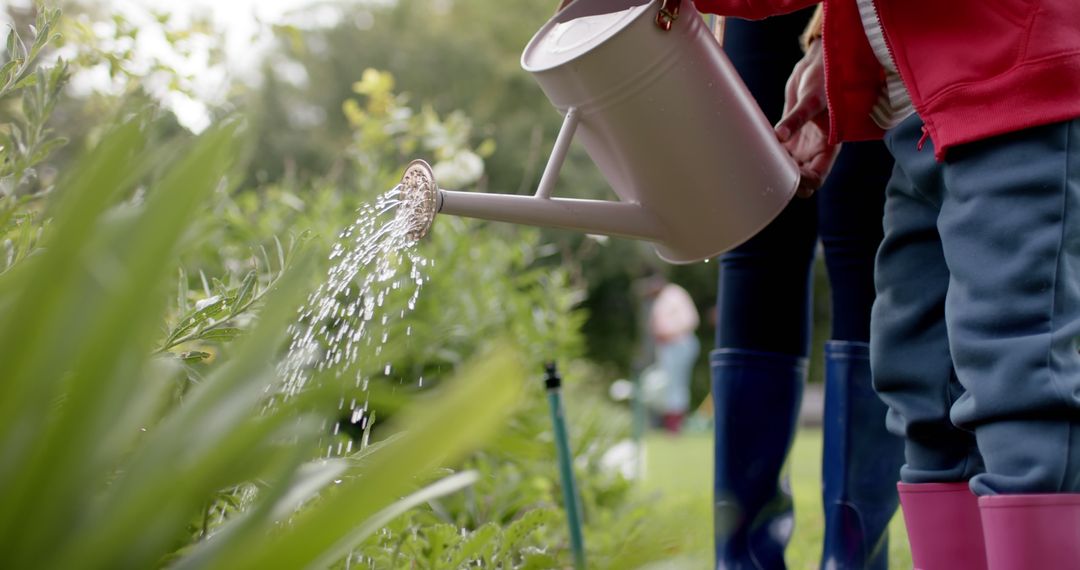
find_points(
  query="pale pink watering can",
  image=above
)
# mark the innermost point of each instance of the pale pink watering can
(648, 91)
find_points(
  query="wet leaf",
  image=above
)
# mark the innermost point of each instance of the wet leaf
(194, 356)
(223, 334)
(245, 293)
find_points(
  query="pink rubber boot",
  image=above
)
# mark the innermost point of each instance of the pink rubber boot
(943, 526)
(1025, 532)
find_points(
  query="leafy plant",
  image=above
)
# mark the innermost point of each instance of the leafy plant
(102, 474)
(214, 318)
(448, 547)
(28, 96)
(26, 139)
(16, 71)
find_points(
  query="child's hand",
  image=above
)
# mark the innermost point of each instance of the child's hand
(804, 130)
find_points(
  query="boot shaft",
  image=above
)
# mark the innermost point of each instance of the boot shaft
(757, 397)
(1032, 531)
(944, 527)
(860, 465)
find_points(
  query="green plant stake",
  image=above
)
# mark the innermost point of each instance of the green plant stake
(639, 416)
(553, 383)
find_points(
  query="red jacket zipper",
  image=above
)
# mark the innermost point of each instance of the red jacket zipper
(900, 70)
(833, 137)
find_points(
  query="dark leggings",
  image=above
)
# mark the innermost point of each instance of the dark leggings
(765, 284)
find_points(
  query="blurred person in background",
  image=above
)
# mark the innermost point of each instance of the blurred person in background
(673, 320)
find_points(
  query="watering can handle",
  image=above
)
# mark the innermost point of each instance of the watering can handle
(669, 12)
(558, 153)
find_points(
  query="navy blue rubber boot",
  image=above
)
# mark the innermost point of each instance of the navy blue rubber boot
(757, 396)
(861, 463)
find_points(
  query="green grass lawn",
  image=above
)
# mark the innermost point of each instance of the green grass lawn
(679, 470)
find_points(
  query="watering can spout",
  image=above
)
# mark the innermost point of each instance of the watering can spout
(422, 199)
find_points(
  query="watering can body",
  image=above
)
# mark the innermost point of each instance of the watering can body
(667, 120)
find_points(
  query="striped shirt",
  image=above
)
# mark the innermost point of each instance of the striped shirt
(894, 103)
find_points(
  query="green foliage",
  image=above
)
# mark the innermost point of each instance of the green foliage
(103, 480)
(25, 138)
(28, 97)
(212, 319)
(61, 432)
(446, 546)
(16, 71)
(385, 126)
(19, 230)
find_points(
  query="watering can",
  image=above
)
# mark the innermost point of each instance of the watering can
(648, 91)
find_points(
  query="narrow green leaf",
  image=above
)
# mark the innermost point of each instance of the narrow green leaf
(28, 81)
(45, 149)
(223, 334)
(245, 293)
(103, 378)
(11, 43)
(218, 287)
(538, 561)
(311, 479)
(440, 488)
(205, 285)
(182, 291)
(519, 530)
(439, 430)
(205, 310)
(223, 440)
(280, 253)
(193, 356)
(36, 329)
(477, 541)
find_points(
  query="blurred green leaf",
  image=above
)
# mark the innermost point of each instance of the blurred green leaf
(102, 321)
(437, 432)
(435, 490)
(222, 334)
(193, 356)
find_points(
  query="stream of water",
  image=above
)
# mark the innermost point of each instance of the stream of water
(375, 279)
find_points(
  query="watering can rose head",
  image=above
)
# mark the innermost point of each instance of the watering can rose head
(419, 199)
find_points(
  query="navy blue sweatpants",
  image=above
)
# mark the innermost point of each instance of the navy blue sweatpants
(976, 326)
(765, 284)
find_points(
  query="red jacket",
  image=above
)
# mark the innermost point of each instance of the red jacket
(974, 68)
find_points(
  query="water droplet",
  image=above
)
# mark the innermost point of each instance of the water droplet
(373, 262)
